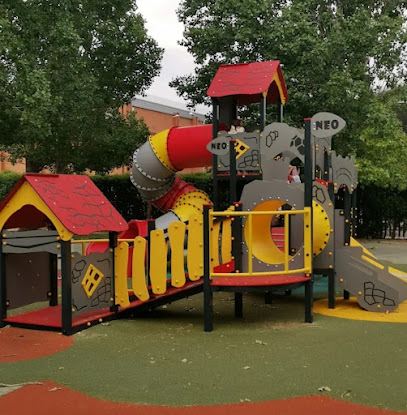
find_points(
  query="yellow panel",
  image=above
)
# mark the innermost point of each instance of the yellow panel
(158, 262)
(307, 240)
(354, 242)
(240, 148)
(276, 79)
(190, 203)
(176, 234)
(159, 145)
(91, 280)
(226, 241)
(263, 246)
(195, 247)
(215, 243)
(26, 195)
(322, 228)
(138, 274)
(373, 262)
(121, 259)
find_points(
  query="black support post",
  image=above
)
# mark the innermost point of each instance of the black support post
(232, 172)
(237, 233)
(347, 213)
(309, 286)
(53, 280)
(239, 304)
(354, 213)
(3, 288)
(66, 287)
(112, 247)
(215, 127)
(263, 106)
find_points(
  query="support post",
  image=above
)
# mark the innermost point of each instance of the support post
(215, 127)
(280, 110)
(112, 246)
(53, 280)
(3, 288)
(263, 106)
(208, 296)
(66, 272)
(354, 213)
(308, 165)
(232, 172)
(239, 304)
(347, 213)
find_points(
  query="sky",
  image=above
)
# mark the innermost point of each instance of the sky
(163, 26)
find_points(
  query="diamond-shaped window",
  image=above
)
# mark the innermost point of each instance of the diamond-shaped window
(240, 148)
(91, 280)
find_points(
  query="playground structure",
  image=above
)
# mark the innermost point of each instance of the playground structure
(195, 245)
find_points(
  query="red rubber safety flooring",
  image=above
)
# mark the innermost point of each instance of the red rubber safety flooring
(20, 344)
(50, 398)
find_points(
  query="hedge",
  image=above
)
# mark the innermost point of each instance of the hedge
(381, 211)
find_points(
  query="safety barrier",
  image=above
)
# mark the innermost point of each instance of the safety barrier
(166, 258)
(211, 228)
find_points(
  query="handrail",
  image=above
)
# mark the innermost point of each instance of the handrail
(307, 265)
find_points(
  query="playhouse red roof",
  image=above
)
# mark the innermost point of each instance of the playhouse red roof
(75, 200)
(248, 80)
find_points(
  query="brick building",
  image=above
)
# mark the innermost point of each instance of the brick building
(157, 116)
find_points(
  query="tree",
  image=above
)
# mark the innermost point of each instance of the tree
(335, 54)
(66, 67)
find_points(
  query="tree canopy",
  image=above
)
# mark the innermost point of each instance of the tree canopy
(66, 67)
(336, 56)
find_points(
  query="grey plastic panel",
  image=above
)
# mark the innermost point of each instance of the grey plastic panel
(103, 293)
(275, 169)
(250, 160)
(149, 164)
(147, 183)
(375, 289)
(344, 172)
(326, 258)
(151, 195)
(164, 221)
(279, 138)
(31, 241)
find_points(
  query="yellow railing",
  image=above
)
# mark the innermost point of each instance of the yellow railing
(307, 245)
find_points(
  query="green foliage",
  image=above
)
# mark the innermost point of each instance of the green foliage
(65, 69)
(7, 180)
(334, 55)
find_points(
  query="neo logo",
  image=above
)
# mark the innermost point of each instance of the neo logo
(326, 124)
(219, 146)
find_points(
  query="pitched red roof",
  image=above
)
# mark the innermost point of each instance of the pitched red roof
(74, 199)
(248, 80)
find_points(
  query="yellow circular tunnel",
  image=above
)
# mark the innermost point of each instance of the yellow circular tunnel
(263, 245)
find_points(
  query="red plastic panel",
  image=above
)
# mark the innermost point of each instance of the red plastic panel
(186, 146)
(247, 81)
(77, 203)
(273, 280)
(179, 187)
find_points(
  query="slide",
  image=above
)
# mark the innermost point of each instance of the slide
(377, 287)
(155, 164)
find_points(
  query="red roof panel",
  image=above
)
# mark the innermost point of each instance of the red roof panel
(76, 201)
(247, 81)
